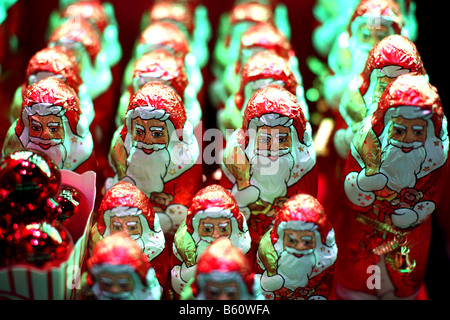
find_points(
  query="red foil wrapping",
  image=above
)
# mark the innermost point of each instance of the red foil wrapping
(81, 31)
(91, 11)
(266, 107)
(282, 276)
(70, 146)
(160, 64)
(166, 34)
(116, 205)
(59, 61)
(393, 182)
(211, 202)
(177, 12)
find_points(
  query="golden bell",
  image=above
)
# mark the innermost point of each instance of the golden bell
(402, 261)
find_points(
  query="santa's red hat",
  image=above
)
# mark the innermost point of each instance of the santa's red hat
(267, 36)
(162, 33)
(410, 90)
(54, 91)
(118, 249)
(377, 9)
(266, 65)
(213, 196)
(159, 97)
(91, 11)
(395, 50)
(274, 99)
(173, 11)
(251, 11)
(221, 256)
(59, 61)
(78, 30)
(304, 208)
(164, 65)
(125, 194)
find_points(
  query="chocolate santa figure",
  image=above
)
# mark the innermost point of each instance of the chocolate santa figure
(156, 151)
(297, 255)
(55, 61)
(213, 214)
(393, 182)
(262, 69)
(83, 41)
(119, 270)
(189, 16)
(226, 49)
(101, 15)
(262, 36)
(371, 22)
(166, 36)
(125, 208)
(393, 56)
(270, 159)
(52, 122)
(160, 65)
(223, 273)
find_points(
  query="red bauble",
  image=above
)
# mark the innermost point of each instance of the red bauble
(28, 180)
(39, 244)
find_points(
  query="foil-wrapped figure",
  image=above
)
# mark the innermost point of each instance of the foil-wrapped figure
(213, 214)
(393, 182)
(270, 159)
(52, 122)
(297, 255)
(371, 22)
(157, 151)
(393, 56)
(59, 62)
(119, 270)
(223, 273)
(125, 208)
(160, 65)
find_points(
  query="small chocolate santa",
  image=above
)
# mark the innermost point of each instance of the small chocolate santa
(297, 255)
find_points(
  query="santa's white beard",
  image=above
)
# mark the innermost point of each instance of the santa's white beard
(295, 271)
(271, 177)
(148, 170)
(139, 293)
(400, 167)
(57, 152)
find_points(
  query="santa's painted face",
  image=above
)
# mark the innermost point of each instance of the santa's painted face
(48, 129)
(214, 227)
(115, 285)
(371, 35)
(299, 240)
(409, 131)
(129, 224)
(148, 133)
(226, 290)
(273, 142)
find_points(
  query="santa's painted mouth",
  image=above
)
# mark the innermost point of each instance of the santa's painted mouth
(147, 151)
(45, 146)
(407, 150)
(298, 255)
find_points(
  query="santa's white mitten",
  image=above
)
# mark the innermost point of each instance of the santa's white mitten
(271, 283)
(373, 182)
(245, 196)
(404, 218)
